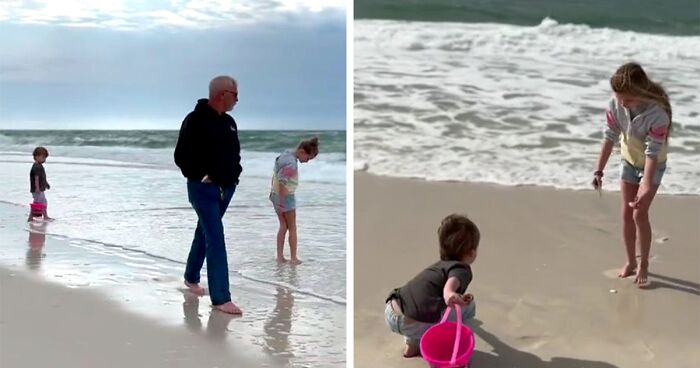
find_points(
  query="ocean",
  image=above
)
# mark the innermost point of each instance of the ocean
(514, 93)
(121, 205)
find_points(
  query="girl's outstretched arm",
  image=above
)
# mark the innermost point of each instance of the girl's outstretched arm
(605, 151)
(611, 134)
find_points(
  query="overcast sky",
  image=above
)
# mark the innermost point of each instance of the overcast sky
(120, 64)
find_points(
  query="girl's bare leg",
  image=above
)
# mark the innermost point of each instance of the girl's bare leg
(641, 220)
(291, 218)
(629, 229)
(280, 237)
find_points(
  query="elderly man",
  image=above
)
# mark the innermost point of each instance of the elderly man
(209, 155)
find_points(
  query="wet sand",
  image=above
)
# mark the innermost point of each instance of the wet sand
(48, 325)
(547, 263)
(73, 303)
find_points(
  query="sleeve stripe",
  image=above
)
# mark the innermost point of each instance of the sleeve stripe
(658, 133)
(611, 122)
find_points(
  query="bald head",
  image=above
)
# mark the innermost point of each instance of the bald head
(223, 93)
(220, 84)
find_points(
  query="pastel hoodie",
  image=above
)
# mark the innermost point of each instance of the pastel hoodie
(641, 137)
(285, 173)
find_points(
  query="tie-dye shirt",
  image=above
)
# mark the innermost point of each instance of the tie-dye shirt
(641, 136)
(285, 173)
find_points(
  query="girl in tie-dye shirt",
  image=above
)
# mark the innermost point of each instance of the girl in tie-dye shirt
(639, 117)
(285, 179)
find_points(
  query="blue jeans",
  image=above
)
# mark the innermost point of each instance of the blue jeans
(210, 203)
(413, 330)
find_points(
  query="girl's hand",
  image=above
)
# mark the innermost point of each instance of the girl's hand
(455, 298)
(642, 197)
(468, 298)
(597, 180)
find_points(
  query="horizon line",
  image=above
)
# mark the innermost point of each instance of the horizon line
(168, 130)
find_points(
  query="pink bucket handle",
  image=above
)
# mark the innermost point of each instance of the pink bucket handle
(455, 349)
(445, 315)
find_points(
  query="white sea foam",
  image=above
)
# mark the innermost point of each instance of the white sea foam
(509, 104)
(326, 168)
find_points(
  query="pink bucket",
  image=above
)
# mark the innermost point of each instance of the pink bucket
(37, 208)
(448, 344)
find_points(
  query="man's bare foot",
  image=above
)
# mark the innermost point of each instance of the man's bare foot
(229, 308)
(281, 260)
(627, 270)
(642, 279)
(295, 261)
(195, 288)
(411, 351)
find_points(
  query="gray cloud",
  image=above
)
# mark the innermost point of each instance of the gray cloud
(291, 74)
(191, 14)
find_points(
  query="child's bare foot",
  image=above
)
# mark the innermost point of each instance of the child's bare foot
(627, 270)
(229, 308)
(411, 351)
(195, 288)
(281, 260)
(642, 279)
(295, 261)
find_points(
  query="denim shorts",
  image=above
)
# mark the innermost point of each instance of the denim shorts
(634, 175)
(290, 202)
(412, 330)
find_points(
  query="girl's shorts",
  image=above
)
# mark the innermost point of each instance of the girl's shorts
(634, 175)
(290, 203)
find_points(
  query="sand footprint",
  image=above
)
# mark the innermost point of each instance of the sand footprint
(641, 350)
(611, 273)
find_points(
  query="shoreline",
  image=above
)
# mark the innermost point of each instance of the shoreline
(364, 171)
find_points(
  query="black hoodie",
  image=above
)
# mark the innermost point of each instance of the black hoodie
(208, 145)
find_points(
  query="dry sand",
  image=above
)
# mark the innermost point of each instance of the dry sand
(542, 281)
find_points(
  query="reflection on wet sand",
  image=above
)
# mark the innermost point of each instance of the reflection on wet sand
(37, 239)
(190, 307)
(279, 324)
(217, 323)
